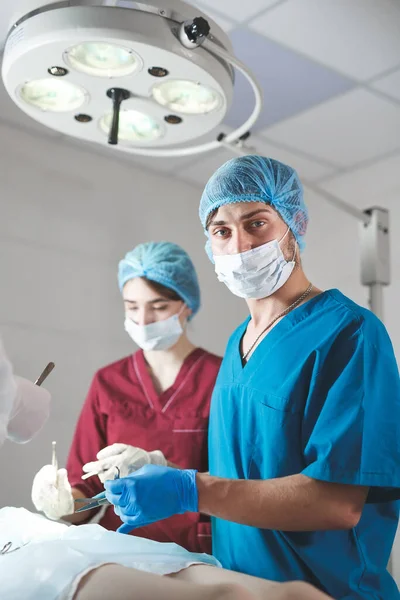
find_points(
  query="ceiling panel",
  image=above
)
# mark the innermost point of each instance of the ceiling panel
(377, 184)
(291, 83)
(200, 171)
(390, 84)
(359, 38)
(306, 167)
(238, 10)
(225, 22)
(348, 130)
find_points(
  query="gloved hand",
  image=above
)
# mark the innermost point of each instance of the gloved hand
(30, 411)
(151, 494)
(8, 389)
(51, 492)
(127, 458)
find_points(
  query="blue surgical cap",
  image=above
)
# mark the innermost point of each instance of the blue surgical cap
(258, 179)
(164, 263)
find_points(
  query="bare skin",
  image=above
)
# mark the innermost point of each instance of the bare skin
(199, 582)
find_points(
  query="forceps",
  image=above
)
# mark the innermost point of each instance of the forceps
(95, 502)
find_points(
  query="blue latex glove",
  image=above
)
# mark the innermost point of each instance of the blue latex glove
(151, 494)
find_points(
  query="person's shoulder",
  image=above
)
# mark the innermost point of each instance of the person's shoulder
(357, 317)
(110, 370)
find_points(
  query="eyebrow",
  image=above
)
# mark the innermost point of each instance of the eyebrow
(155, 301)
(245, 216)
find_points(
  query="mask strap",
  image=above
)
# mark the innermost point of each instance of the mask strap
(178, 314)
(282, 238)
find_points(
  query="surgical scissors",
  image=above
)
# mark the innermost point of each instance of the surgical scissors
(96, 501)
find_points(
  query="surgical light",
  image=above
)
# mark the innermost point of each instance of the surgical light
(54, 95)
(134, 126)
(101, 59)
(186, 97)
(159, 74)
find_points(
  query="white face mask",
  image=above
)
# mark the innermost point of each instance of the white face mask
(160, 335)
(257, 273)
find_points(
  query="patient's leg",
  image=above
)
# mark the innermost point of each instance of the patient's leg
(261, 588)
(200, 582)
(122, 583)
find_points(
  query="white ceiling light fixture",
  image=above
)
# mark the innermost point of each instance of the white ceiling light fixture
(153, 75)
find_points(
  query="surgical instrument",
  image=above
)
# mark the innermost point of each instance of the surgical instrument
(45, 373)
(54, 460)
(96, 501)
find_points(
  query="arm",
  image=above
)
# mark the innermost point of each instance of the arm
(294, 503)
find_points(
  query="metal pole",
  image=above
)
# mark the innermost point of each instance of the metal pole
(375, 257)
(376, 299)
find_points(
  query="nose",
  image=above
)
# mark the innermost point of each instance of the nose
(143, 316)
(240, 242)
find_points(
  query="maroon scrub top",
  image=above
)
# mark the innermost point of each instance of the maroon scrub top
(122, 406)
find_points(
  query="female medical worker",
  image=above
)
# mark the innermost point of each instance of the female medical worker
(151, 407)
(305, 417)
(24, 407)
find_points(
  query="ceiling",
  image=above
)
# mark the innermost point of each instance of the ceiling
(330, 71)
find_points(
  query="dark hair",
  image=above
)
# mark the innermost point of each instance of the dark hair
(163, 290)
(210, 217)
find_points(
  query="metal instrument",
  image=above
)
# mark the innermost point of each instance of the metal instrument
(95, 502)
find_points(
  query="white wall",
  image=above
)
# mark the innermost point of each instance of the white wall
(67, 216)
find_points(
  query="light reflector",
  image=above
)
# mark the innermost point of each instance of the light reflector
(187, 97)
(134, 126)
(102, 59)
(54, 95)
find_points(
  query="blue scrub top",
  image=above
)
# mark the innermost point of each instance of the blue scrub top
(319, 396)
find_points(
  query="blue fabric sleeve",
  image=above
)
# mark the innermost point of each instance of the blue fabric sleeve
(351, 425)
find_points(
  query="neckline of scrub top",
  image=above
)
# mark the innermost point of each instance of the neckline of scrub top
(161, 402)
(268, 342)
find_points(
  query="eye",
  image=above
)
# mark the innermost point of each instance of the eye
(220, 232)
(131, 308)
(257, 224)
(161, 307)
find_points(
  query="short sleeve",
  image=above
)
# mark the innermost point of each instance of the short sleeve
(89, 438)
(351, 425)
